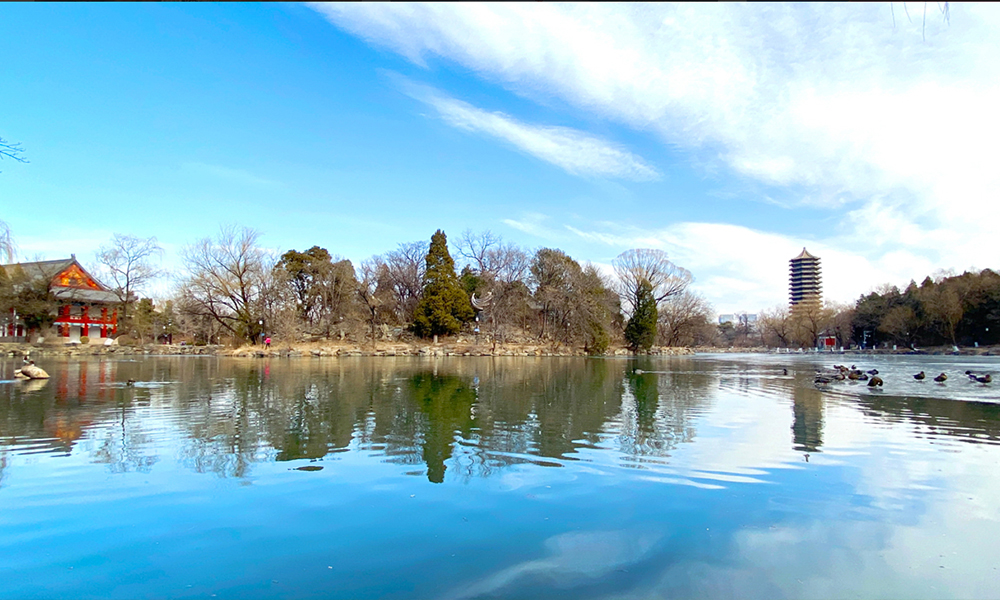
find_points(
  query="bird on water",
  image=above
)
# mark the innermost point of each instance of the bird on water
(919, 376)
(875, 381)
(941, 378)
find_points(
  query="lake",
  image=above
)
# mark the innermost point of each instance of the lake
(714, 476)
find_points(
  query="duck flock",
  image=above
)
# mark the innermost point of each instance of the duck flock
(852, 373)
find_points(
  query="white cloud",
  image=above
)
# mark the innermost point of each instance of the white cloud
(574, 151)
(739, 268)
(892, 127)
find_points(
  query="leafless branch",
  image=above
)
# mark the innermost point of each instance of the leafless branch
(13, 151)
(7, 245)
(646, 264)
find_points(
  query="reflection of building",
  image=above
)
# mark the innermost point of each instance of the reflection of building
(805, 281)
(85, 307)
(807, 419)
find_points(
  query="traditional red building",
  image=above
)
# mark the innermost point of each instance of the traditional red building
(86, 306)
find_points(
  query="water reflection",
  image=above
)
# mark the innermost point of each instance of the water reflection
(449, 418)
(471, 477)
(967, 421)
(807, 419)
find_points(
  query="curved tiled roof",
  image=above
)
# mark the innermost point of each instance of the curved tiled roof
(48, 270)
(804, 254)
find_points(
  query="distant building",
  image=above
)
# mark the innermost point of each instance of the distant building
(738, 318)
(86, 307)
(805, 280)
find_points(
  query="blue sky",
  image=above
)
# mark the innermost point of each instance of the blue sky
(729, 136)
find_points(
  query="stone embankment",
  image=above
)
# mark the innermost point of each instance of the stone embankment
(319, 350)
(101, 350)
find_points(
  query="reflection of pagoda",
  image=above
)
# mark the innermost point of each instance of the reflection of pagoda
(807, 419)
(805, 282)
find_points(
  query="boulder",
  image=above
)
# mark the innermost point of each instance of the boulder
(32, 372)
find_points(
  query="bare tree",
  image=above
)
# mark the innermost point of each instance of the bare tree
(7, 245)
(373, 286)
(477, 248)
(501, 269)
(228, 279)
(128, 263)
(647, 264)
(404, 272)
(490, 257)
(808, 320)
(776, 326)
(684, 320)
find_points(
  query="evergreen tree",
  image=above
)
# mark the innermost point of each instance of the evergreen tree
(641, 328)
(444, 305)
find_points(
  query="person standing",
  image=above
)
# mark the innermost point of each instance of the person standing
(267, 342)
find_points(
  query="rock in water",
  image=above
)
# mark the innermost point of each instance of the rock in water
(34, 372)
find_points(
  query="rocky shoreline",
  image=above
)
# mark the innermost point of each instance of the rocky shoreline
(319, 350)
(459, 348)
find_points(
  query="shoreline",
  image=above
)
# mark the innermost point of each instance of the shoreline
(319, 350)
(445, 348)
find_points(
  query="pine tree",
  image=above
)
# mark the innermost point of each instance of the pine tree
(641, 328)
(444, 305)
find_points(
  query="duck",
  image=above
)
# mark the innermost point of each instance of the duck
(919, 376)
(872, 371)
(875, 381)
(984, 378)
(130, 382)
(821, 380)
(941, 378)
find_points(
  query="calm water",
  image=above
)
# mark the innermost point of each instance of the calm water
(714, 476)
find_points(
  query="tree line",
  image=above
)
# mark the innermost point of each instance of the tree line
(230, 288)
(959, 310)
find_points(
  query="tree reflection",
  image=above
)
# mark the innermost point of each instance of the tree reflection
(658, 409)
(123, 448)
(965, 421)
(453, 419)
(445, 402)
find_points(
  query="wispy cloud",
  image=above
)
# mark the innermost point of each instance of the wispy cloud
(887, 125)
(574, 151)
(534, 224)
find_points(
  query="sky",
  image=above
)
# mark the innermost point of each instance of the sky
(730, 136)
